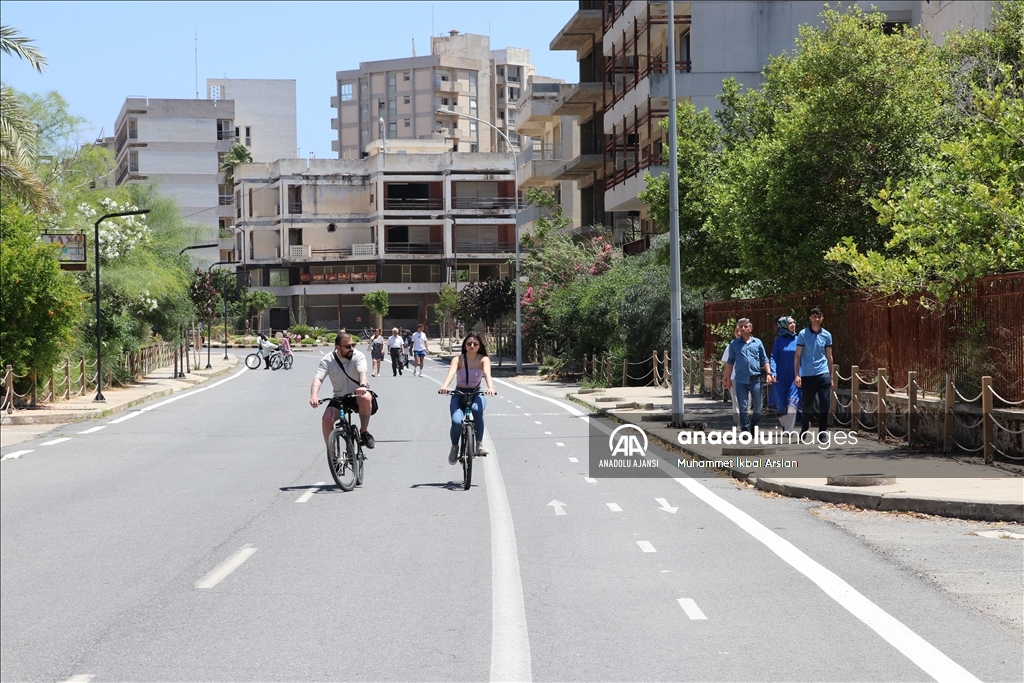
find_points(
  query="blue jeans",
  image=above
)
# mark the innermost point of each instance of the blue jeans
(455, 407)
(748, 396)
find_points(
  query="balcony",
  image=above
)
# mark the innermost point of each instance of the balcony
(226, 136)
(294, 207)
(306, 252)
(580, 168)
(582, 28)
(332, 278)
(485, 247)
(581, 100)
(226, 199)
(414, 248)
(413, 204)
(447, 86)
(538, 172)
(484, 203)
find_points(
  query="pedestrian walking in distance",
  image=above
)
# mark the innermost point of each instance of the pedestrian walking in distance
(395, 345)
(748, 357)
(812, 363)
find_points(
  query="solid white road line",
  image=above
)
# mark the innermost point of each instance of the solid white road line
(226, 567)
(56, 441)
(93, 430)
(691, 609)
(15, 455)
(646, 546)
(510, 642)
(309, 494)
(564, 406)
(614, 507)
(914, 647)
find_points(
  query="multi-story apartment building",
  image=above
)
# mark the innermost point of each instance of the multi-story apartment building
(319, 234)
(621, 46)
(511, 71)
(407, 94)
(180, 143)
(547, 141)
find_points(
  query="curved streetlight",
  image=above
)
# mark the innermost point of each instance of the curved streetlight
(99, 324)
(515, 195)
(209, 334)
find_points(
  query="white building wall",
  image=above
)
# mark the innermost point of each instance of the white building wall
(268, 108)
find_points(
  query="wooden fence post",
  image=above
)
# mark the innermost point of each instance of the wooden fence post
(911, 407)
(49, 384)
(654, 365)
(67, 378)
(9, 387)
(854, 401)
(625, 365)
(880, 383)
(81, 367)
(665, 372)
(987, 428)
(34, 378)
(947, 431)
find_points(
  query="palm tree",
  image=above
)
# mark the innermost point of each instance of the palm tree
(18, 131)
(238, 154)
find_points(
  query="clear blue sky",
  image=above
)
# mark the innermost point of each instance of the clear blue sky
(102, 52)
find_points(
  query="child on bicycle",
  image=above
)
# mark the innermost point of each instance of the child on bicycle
(471, 366)
(268, 348)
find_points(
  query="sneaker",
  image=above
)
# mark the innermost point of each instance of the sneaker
(481, 452)
(453, 454)
(367, 440)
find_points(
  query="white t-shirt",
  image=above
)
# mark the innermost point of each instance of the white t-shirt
(342, 383)
(725, 359)
(419, 341)
(395, 342)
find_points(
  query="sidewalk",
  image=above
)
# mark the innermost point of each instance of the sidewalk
(872, 475)
(23, 425)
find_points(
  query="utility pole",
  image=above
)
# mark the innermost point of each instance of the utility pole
(678, 414)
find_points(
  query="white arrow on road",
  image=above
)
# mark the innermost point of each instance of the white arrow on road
(558, 507)
(665, 506)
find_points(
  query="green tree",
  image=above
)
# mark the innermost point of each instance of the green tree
(238, 154)
(377, 302)
(18, 135)
(255, 301)
(552, 220)
(40, 305)
(963, 218)
(446, 307)
(204, 296)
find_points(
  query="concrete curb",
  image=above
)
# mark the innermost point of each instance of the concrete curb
(883, 502)
(64, 418)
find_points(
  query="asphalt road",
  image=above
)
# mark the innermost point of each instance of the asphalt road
(202, 538)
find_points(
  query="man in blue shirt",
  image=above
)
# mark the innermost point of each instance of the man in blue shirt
(748, 356)
(812, 365)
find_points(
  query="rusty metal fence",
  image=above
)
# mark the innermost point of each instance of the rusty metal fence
(977, 332)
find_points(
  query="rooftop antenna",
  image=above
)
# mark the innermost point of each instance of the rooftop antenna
(197, 63)
(431, 20)
(414, 46)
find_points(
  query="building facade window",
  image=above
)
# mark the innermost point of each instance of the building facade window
(500, 70)
(472, 82)
(278, 277)
(472, 129)
(472, 106)
(406, 76)
(248, 136)
(392, 106)
(392, 129)
(406, 100)
(513, 74)
(407, 123)
(346, 92)
(513, 94)
(391, 83)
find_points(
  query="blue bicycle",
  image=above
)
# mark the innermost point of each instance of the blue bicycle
(467, 441)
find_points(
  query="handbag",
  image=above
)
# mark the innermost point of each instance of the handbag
(351, 405)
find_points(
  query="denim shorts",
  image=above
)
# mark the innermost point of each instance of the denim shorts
(420, 354)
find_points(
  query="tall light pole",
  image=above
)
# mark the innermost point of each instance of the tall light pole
(515, 195)
(209, 334)
(99, 324)
(678, 415)
(200, 350)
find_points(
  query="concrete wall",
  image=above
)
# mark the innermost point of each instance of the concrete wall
(268, 108)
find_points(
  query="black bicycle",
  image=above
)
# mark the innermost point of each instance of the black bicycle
(467, 441)
(344, 449)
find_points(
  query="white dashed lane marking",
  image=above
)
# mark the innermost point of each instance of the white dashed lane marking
(93, 430)
(56, 441)
(309, 494)
(574, 459)
(15, 455)
(614, 507)
(646, 546)
(229, 565)
(691, 609)
(590, 481)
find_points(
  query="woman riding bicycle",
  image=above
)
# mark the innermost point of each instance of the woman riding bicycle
(471, 366)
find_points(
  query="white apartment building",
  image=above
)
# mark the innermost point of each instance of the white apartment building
(621, 48)
(458, 76)
(321, 233)
(511, 70)
(180, 143)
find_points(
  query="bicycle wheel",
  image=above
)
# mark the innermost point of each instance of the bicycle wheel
(468, 453)
(340, 455)
(359, 462)
(276, 362)
(252, 361)
(288, 361)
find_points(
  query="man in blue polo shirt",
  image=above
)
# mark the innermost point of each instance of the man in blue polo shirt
(748, 356)
(812, 366)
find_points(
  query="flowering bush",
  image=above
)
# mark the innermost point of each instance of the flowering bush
(117, 236)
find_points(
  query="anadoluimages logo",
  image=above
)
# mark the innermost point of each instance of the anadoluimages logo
(624, 442)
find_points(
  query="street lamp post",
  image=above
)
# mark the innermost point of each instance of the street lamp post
(209, 333)
(99, 324)
(515, 194)
(675, 295)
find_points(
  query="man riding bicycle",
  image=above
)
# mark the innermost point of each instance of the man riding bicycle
(347, 369)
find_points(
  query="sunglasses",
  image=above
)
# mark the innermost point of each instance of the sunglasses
(472, 343)
(347, 346)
